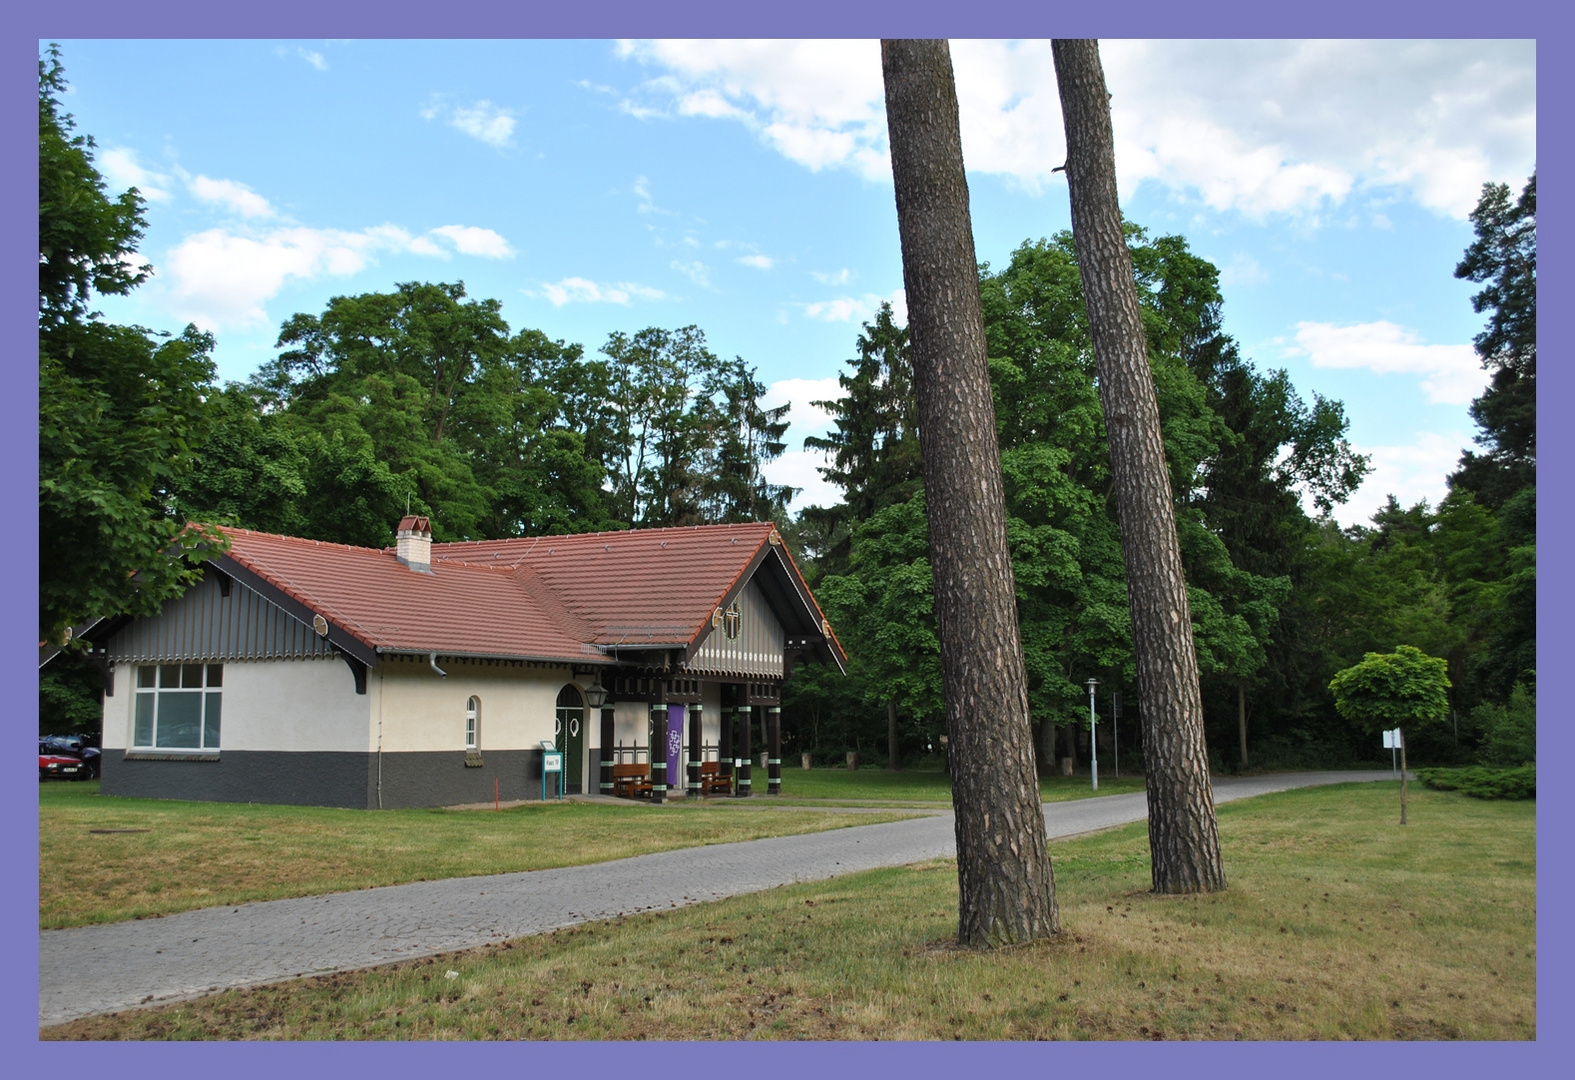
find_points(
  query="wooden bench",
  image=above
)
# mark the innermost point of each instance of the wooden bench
(632, 780)
(712, 782)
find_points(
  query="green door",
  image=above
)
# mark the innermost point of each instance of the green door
(569, 736)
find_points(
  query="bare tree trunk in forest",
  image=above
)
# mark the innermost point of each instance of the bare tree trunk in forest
(1182, 831)
(1401, 736)
(1241, 719)
(1005, 883)
(891, 735)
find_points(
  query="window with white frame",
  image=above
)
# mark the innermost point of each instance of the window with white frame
(178, 707)
(473, 724)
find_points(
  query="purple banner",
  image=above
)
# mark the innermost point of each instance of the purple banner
(675, 749)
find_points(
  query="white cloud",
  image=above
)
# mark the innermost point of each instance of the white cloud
(1409, 472)
(1450, 374)
(231, 194)
(819, 103)
(696, 272)
(485, 121)
(858, 308)
(220, 278)
(759, 262)
(311, 56)
(492, 124)
(642, 192)
(806, 419)
(1259, 127)
(1243, 269)
(578, 290)
(121, 168)
(797, 468)
(841, 277)
(470, 240)
(843, 309)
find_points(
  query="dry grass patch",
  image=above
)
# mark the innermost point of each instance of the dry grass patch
(1338, 925)
(191, 855)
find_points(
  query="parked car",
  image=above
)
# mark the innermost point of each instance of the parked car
(67, 757)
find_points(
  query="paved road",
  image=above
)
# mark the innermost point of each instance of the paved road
(99, 969)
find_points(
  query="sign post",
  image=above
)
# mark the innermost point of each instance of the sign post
(551, 765)
(1093, 733)
(1392, 743)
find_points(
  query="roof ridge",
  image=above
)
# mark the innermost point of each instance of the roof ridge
(231, 529)
(453, 544)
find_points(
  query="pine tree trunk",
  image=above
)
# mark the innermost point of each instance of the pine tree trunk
(1005, 883)
(1183, 833)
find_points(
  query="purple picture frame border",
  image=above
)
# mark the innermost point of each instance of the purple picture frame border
(24, 31)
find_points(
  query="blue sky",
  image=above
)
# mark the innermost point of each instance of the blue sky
(744, 187)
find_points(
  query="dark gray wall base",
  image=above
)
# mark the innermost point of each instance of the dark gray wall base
(327, 779)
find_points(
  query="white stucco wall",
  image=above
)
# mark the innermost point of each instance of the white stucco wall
(268, 705)
(420, 711)
(117, 708)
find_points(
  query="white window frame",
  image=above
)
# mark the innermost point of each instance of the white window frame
(473, 724)
(209, 694)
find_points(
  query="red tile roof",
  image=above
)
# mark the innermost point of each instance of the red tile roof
(551, 597)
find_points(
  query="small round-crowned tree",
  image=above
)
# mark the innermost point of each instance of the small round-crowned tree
(1405, 688)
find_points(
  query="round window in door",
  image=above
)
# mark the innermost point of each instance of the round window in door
(568, 735)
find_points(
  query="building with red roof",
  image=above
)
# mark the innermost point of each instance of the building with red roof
(428, 674)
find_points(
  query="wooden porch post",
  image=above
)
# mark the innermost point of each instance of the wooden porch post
(744, 770)
(658, 752)
(724, 750)
(606, 784)
(694, 751)
(774, 744)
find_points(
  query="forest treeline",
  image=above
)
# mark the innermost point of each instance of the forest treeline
(424, 397)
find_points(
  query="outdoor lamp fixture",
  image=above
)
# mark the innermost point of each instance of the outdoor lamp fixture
(1093, 741)
(596, 694)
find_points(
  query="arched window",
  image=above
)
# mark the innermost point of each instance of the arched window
(473, 724)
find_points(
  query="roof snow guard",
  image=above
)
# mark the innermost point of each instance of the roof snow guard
(574, 599)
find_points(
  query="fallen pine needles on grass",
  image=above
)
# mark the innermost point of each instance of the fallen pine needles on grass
(1339, 924)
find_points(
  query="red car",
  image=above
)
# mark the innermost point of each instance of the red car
(66, 757)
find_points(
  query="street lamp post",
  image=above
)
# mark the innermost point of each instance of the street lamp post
(1093, 738)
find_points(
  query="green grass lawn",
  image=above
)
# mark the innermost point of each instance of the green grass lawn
(185, 855)
(929, 784)
(1338, 924)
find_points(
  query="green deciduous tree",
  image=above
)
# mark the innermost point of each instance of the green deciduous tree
(120, 408)
(1405, 688)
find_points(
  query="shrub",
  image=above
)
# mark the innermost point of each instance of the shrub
(1482, 782)
(1509, 732)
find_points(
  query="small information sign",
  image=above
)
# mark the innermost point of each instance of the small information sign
(1391, 744)
(551, 765)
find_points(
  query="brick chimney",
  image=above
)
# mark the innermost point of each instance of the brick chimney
(414, 548)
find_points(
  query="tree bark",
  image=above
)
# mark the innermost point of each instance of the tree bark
(1183, 833)
(1401, 736)
(1005, 882)
(891, 735)
(1241, 719)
